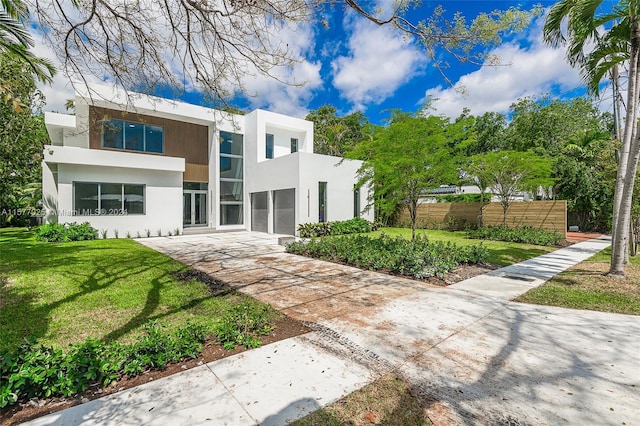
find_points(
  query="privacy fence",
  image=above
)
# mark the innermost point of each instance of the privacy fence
(547, 215)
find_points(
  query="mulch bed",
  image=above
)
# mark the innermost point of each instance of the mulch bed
(284, 328)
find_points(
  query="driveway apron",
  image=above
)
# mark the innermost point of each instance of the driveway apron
(474, 356)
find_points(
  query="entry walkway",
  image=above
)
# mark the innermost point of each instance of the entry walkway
(478, 357)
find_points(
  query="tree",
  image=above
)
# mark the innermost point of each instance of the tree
(405, 159)
(22, 136)
(546, 125)
(15, 42)
(508, 173)
(333, 135)
(214, 47)
(576, 24)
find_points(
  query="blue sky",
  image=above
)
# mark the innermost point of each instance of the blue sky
(358, 66)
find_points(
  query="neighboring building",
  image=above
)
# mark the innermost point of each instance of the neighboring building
(138, 164)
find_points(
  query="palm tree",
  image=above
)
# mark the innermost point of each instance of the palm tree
(15, 40)
(620, 43)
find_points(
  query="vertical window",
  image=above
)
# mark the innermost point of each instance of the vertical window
(85, 198)
(294, 145)
(356, 202)
(113, 134)
(110, 197)
(322, 201)
(269, 145)
(134, 136)
(134, 199)
(154, 139)
(231, 179)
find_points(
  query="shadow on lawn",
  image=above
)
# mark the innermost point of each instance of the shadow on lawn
(86, 268)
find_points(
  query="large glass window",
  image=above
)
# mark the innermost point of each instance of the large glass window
(111, 196)
(230, 143)
(134, 199)
(154, 138)
(113, 134)
(231, 179)
(85, 197)
(92, 199)
(231, 168)
(119, 134)
(230, 191)
(269, 147)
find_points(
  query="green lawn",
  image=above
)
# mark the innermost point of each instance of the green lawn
(62, 293)
(501, 253)
(585, 286)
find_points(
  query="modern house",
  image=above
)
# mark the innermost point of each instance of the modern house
(138, 165)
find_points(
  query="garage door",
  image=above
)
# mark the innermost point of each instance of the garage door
(259, 212)
(284, 213)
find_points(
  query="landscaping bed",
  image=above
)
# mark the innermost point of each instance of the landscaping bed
(118, 294)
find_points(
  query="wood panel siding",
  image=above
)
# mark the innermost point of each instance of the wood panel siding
(547, 215)
(184, 140)
(196, 173)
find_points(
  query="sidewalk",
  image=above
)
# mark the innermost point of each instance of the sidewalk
(479, 356)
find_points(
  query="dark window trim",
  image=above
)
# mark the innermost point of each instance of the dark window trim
(124, 142)
(122, 211)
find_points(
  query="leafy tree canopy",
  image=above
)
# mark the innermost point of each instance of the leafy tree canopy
(405, 159)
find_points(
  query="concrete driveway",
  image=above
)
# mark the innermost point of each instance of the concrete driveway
(473, 355)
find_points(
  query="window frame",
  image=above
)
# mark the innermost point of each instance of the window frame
(270, 143)
(122, 211)
(294, 145)
(123, 136)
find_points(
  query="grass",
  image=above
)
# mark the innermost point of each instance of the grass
(585, 286)
(387, 401)
(500, 253)
(62, 293)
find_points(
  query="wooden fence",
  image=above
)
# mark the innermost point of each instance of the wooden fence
(547, 215)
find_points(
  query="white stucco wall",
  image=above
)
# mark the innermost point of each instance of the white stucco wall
(340, 178)
(303, 171)
(163, 199)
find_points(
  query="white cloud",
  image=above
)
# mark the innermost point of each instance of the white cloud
(532, 69)
(60, 88)
(379, 61)
(291, 99)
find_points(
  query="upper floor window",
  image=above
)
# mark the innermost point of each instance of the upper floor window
(294, 145)
(120, 134)
(269, 146)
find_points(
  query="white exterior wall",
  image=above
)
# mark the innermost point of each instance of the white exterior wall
(303, 171)
(163, 199)
(340, 178)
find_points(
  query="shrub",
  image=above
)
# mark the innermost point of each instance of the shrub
(417, 258)
(58, 232)
(352, 226)
(525, 235)
(38, 371)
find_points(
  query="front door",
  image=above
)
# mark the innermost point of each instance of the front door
(194, 208)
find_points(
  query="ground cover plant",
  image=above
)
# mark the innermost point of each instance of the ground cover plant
(524, 234)
(586, 286)
(418, 258)
(112, 300)
(501, 253)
